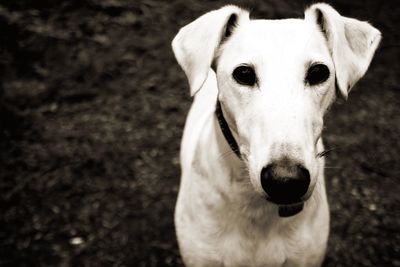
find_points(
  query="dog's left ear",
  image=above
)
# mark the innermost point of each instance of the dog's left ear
(352, 43)
(196, 44)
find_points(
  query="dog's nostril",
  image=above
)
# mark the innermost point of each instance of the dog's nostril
(285, 183)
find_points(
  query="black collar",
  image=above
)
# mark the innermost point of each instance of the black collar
(226, 131)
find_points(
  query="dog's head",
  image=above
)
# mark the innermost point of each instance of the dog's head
(276, 79)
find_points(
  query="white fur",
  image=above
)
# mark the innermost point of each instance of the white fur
(222, 217)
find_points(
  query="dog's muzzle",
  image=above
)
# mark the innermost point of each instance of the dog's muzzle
(286, 184)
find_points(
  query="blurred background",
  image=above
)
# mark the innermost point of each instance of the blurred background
(92, 107)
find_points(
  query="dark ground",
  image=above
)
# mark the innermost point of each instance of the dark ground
(92, 107)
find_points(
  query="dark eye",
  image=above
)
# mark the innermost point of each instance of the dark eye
(245, 75)
(317, 74)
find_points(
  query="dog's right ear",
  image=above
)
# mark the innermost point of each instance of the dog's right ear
(196, 44)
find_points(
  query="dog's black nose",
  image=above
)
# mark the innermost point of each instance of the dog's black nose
(285, 182)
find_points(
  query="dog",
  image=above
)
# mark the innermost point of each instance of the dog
(252, 190)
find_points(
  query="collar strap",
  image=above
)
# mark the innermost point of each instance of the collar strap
(226, 131)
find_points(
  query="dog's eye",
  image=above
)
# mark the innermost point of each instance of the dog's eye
(317, 74)
(245, 75)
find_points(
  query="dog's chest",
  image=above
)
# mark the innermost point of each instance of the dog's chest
(248, 242)
(254, 242)
(237, 249)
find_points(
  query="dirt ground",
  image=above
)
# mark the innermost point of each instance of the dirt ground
(92, 107)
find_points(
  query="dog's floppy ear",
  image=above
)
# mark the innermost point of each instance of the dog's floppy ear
(195, 44)
(352, 43)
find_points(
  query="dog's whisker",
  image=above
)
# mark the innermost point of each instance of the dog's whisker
(325, 152)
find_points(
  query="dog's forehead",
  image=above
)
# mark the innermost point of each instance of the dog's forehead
(280, 32)
(278, 25)
(287, 38)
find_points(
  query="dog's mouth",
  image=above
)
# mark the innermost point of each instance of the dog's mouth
(290, 210)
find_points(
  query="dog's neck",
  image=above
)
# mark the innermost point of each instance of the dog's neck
(226, 131)
(229, 177)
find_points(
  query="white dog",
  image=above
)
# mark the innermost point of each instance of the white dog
(252, 191)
